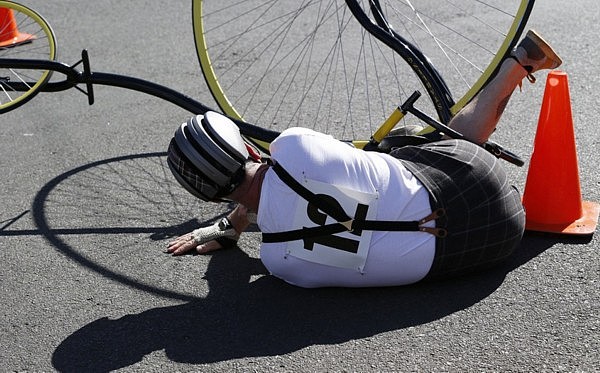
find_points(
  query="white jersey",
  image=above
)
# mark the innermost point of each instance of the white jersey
(367, 184)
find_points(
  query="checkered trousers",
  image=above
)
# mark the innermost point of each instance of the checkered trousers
(484, 215)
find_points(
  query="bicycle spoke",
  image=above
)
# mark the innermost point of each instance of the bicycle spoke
(462, 45)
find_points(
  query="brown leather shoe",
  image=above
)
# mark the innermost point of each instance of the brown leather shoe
(534, 54)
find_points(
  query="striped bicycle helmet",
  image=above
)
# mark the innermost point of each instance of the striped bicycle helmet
(207, 156)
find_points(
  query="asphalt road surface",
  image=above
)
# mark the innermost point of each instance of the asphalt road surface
(87, 207)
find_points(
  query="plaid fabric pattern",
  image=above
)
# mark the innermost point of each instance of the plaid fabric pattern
(188, 175)
(484, 215)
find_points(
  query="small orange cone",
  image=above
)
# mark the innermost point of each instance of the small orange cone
(9, 33)
(552, 196)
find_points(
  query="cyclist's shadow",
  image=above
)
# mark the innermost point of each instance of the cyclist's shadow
(243, 318)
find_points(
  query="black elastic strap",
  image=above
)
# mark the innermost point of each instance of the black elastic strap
(322, 204)
(298, 234)
(342, 217)
(329, 229)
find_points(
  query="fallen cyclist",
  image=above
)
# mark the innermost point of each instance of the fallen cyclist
(333, 215)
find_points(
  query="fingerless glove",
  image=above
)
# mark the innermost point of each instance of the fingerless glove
(222, 232)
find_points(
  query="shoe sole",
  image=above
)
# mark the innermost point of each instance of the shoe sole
(545, 47)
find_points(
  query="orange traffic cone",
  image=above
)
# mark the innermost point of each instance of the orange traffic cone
(552, 196)
(9, 33)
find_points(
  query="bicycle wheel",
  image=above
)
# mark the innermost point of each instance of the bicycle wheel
(24, 34)
(310, 63)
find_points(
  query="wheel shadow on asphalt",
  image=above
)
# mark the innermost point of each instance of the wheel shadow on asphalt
(247, 313)
(241, 318)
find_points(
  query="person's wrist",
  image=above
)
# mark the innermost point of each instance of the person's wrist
(238, 219)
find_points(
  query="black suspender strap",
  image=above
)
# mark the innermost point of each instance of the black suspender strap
(299, 234)
(324, 205)
(344, 222)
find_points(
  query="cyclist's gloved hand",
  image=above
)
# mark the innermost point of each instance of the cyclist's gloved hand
(222, 232)
(205, 239)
